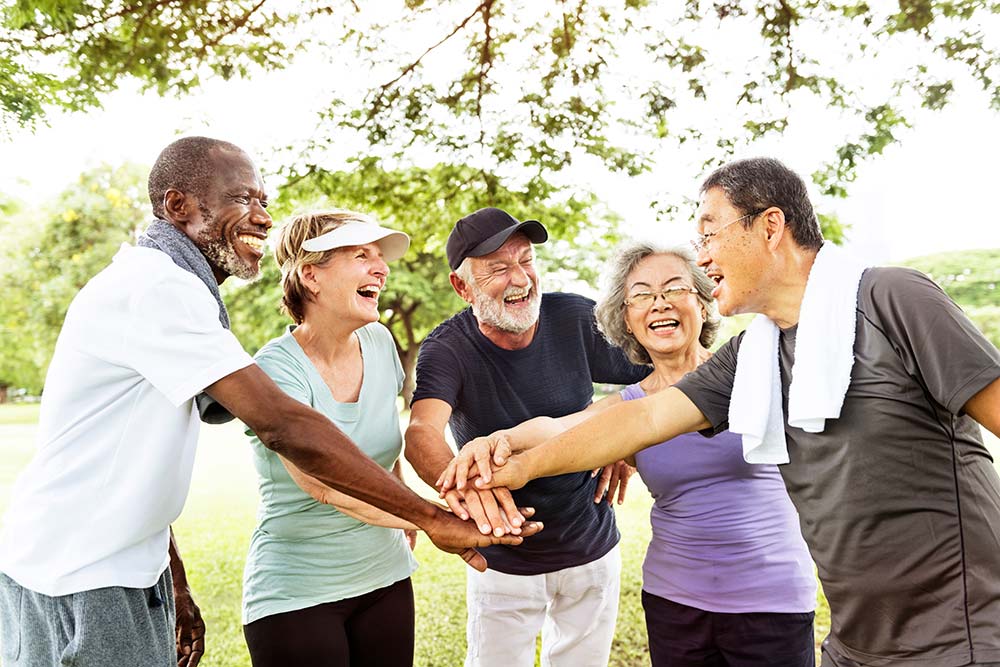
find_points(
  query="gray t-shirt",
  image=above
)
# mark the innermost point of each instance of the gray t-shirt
(898, 499)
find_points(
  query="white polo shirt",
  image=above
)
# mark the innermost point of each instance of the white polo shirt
(118, 429)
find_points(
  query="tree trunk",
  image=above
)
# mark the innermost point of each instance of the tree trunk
(3, 393)
(409, 360)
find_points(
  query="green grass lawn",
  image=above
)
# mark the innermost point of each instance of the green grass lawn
(214, 531)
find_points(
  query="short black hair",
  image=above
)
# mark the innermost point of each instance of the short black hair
(185, 165)
(756, 184)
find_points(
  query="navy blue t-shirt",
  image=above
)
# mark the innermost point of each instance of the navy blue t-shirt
(490, 388)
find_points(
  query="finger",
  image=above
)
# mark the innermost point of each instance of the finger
(446, 480)
(493, 514)
(602, 483)
(482, 455)
(623, 485)
(474, 559)
(501, 453)
(509, 507)
(527, 530)
(455, 505)
(613, 484)
(526, 512)
(475, 504)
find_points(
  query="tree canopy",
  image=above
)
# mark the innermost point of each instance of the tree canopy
(524, 88)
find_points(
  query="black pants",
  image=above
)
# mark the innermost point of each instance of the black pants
(371, 630)
(682, 636)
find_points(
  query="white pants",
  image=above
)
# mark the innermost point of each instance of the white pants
(575, 609)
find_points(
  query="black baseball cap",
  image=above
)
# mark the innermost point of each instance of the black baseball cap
(484, 231)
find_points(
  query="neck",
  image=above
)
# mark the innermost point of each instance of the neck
(669, 368)
(787, 286)
(324, 338)
(508, 340)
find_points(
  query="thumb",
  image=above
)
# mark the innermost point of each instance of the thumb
(474, 559)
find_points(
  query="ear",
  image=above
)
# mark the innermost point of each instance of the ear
(307, 274)
(774, 226)
(178, 207)
(461, 287)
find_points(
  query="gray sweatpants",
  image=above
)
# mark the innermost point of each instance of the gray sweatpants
(123, 627)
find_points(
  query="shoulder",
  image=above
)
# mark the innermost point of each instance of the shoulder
(885, 285)
(377, 333)
(278, 353)
(456, 326)
(567, 301)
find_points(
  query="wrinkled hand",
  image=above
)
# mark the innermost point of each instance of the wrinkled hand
(512, 474)
(190, 629)
(473, 460)
(453, 535)
(493, 510)
(614, 478)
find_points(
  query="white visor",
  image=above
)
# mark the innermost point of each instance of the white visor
(392, 243)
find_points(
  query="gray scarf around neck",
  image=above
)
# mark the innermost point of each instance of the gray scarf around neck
(162, 236)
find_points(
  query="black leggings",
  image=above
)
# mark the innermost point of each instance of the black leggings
(374, 629)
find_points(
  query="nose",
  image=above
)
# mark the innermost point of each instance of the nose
(656, 302)
(702, 257)
(380, 269)
(259, 215)
(519, 277)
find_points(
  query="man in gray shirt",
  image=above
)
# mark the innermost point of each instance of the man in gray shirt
(898, 498)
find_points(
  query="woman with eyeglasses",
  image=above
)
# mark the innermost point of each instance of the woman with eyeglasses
(727, 579)
(327, 578)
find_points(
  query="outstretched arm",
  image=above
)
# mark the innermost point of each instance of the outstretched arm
(610, 435)
(352, 507)
(321, 450)
(493, 511)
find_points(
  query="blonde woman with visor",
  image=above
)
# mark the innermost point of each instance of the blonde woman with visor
(327, 578)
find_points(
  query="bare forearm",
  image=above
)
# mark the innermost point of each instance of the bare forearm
(427, 451)
(352, 507)
(177, 572)
(616, 433)
(317, 448)
(536, 431)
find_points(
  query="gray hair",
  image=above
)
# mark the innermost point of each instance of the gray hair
(757, 184)
(610, 309)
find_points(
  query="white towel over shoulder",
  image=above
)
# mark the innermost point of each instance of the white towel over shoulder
(824, 356)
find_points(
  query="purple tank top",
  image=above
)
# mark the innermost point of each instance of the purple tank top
(725, 534)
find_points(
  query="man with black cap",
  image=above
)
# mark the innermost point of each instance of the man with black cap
(514, 355)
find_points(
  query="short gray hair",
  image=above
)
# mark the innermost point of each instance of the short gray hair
(610, 309)
(756, 184)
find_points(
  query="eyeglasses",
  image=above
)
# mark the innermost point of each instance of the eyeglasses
(703, 239)
(643, 300)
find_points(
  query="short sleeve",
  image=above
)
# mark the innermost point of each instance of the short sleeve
(938, 344)
(710, 386)
(174, 339)
(286, 373)
(438, 373)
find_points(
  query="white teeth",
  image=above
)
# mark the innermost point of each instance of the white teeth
(659, 324)
(254, 242)
(515, 297)
(370, 291)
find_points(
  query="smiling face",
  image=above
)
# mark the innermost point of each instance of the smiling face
(735, 258)
(664, 327)
(229, 224)
(348, 284)
(503, 288)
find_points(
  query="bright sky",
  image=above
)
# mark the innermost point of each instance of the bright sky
(925, 195)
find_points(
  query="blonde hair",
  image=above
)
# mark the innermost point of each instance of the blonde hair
(290, 256)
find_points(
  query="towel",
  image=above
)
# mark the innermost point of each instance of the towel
(821, 373)
(161, 235)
